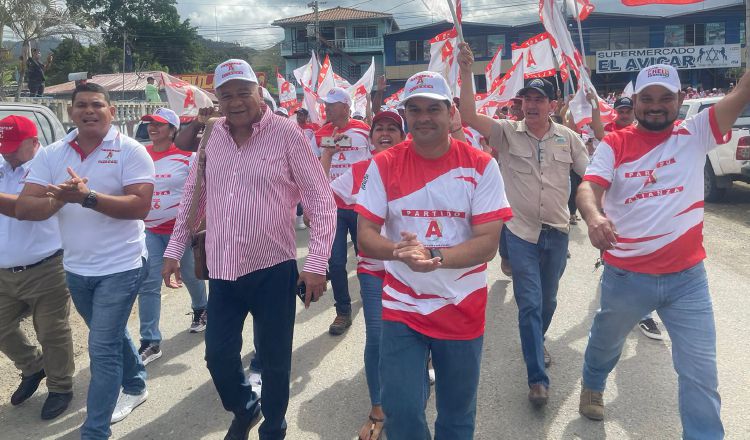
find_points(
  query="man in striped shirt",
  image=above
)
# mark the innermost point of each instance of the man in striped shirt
(258, 165)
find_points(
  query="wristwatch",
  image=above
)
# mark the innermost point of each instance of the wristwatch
(435, 253)
(90, 201)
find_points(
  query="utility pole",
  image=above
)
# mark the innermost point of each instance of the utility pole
(316, 8)
(124, 38)
(747, 34)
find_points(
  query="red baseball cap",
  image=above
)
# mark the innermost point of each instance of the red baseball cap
(390, 116)
(14, 130)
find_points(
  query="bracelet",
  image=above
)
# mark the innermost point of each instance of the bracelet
(459, 128)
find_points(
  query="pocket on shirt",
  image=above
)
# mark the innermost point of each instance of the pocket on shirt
(563, 157)
(519, 160)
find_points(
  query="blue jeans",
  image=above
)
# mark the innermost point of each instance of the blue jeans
(537, 269)
(104, 303)
(684, 306)
(149, 300)
(403, 358)
(346, 225)
(371, 289)
(268, 294)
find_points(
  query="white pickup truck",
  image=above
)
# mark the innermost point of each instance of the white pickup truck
(722, 164)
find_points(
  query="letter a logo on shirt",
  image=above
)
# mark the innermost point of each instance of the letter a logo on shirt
(433, 231)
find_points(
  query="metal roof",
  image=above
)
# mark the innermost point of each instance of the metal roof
(334, 14)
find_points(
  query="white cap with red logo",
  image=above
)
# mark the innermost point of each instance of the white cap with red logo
(427, 85)
(658, 75)
(336, 94)
(233, 69)
(165, 116)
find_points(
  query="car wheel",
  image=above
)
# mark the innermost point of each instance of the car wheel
(711, 190)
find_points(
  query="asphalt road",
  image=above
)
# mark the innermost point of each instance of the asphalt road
(328, 392)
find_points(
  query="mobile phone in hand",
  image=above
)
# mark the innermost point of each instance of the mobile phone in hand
(301, 292)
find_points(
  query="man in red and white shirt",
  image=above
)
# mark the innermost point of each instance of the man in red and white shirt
(441, 204)
(650, 227)
(347, 142)
(258, 166)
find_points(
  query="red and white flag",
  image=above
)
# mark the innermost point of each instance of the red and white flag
(444, 58)
(538, 55)
(494, 68)
(580, 107)
(504, 89)
(287, 91)
(326, 79)
(340, 82)
(658, 2)
(568, 58)
(307, 75)
(310, 103)
(584, 8)
(394, 100)
(184, 98)
(362, 89)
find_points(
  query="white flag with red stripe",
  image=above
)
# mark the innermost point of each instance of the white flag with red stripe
(503, 90)
(314, 108)
(326, 78)
(444, 58)
(494, 68)
(307, 75)
(394, 100)
(580, 107)
(584, 8)
(538, 54)
(184, 98)
(287, 91)
(568, 58)
(362, 89)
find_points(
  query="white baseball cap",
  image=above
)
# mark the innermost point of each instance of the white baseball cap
(427, 85)
(165, 116)
(336, 94)
(658, 75)
(233, 69)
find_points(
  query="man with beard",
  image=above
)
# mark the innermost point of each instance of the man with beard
(642, 198)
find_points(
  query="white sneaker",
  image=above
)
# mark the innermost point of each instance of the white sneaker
(126, 403)
(300, 223)
(255, 381)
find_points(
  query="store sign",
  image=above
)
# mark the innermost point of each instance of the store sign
(685, 57)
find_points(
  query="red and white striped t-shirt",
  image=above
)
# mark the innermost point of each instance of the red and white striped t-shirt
(361, 149)
(346, 187)
(654, 193)
(172, 168)
(439, 200)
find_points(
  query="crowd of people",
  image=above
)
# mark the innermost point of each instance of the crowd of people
(428, 195)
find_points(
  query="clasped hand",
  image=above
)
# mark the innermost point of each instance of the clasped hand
(73, 190)
(414, 254)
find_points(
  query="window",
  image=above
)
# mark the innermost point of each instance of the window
(412, 51)
(674, 35)
(618, 38)
(715, 33)
(43, 125)
(639, 37)
(598, 39)
(328, 32)
(402, 51)
(369, 31)
(426, 51)
(493, 42)
(299, 34)
(742, 32)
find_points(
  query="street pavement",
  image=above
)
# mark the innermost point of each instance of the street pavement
(328, 392)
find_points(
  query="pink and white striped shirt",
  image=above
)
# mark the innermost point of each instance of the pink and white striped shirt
(248, 198)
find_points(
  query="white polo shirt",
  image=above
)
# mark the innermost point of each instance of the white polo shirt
(94, 243)
(24, 242)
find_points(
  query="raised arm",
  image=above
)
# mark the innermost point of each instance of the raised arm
(730, 107)
(467, 107)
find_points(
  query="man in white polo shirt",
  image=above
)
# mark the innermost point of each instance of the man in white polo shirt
(32, 280)
(99, 184)
(650, 227)
(442, 204)
(352, 138)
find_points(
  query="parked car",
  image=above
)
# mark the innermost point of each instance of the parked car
(743, 154)
(723, 166)
(49, 127)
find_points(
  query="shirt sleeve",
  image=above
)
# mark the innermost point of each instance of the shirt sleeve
(138, 167)
(314, 146)
(497, 138)
(489, 202)
(705, 126)
(342, 187)
(40, 172)
(372, 202)
(601, 170)
(317, 201)
(579, 154)
(182, 232)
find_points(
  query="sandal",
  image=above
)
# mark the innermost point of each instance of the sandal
(375, 427)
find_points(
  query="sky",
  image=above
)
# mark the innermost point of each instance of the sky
(248, 22)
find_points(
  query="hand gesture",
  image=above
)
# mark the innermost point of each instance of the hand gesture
(591, 97)
(381, 83)
(602, 233)
(315, 285)
(465, 56)
(414, 254)
(206, 113)
(73, 190)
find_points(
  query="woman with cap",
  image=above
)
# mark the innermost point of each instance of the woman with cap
(387, 130)
(172, 168)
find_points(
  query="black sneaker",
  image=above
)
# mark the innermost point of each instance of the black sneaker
(55, 405)
(27, 388)
(241, 426)
(149, 352)
(650, 329)
(199, 321)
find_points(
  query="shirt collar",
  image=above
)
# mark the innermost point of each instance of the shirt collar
(110, 136)
(555, 128)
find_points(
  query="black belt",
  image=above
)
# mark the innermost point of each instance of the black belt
(546, 227)
(42, 261)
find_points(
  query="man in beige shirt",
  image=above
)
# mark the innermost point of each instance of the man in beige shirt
(535, 156)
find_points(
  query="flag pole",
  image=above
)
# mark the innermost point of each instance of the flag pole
(580, 33)
(456, 21)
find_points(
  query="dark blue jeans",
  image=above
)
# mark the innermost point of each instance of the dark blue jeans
(537, 269)
(267, 294)
(104, 303)
(346, 225)
(371, 289)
